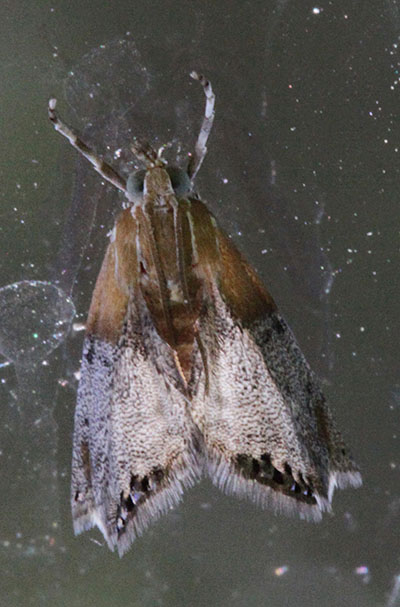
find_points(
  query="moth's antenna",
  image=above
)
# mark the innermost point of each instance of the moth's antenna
(200, 149)
(105, 170)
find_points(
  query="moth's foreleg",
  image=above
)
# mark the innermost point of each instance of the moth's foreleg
(200, 149)
(105, 170)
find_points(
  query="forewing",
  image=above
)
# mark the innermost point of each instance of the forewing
(268, 432)
(134, 444)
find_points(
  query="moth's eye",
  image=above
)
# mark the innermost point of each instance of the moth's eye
(179, 180)
(134, 185)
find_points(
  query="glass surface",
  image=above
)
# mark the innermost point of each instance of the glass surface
(303, 172)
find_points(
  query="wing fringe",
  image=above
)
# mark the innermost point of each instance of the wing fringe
(104, 515)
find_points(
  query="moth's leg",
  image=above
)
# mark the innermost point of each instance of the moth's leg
(105, 170)
(200, 149)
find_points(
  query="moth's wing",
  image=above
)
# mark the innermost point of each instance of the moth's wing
(268, 432)
(134, 447)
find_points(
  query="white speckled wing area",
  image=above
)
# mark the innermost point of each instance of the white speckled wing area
(134, 442)
(268, 432)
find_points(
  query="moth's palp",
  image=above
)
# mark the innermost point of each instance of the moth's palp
(144, 151)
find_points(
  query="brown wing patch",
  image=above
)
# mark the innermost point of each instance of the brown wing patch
(118, 275)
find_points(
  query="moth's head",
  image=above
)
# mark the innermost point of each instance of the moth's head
(157, 178)
(165, 180)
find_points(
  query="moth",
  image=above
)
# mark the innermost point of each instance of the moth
(188, 368)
